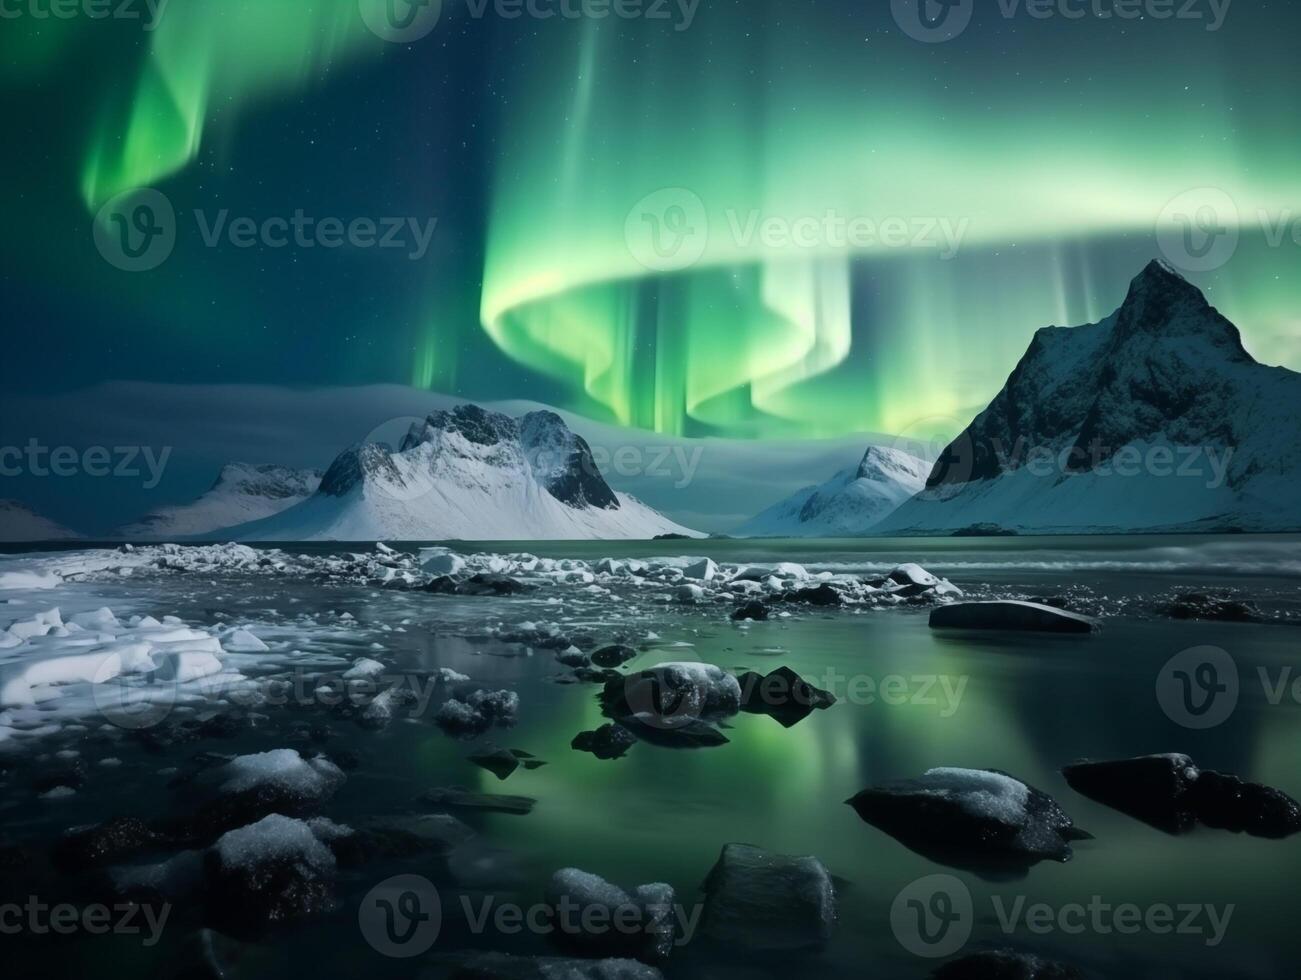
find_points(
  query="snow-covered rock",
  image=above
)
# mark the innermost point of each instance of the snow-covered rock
(1154, 418)
(242, 492)
(849, 504)
(269, 873)
(466, 474)
(703, 570)
(674, 693)
(602, 919)
(478, 711)
(971, 818)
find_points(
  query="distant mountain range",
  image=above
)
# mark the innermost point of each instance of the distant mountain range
(19, 523)
(465, 474)
(849, 504)
(243, 492)
(1154, 419)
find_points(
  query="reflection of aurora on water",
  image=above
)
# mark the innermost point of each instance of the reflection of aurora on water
(1056, 173)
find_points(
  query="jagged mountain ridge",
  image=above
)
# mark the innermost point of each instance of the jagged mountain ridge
(1165, 375)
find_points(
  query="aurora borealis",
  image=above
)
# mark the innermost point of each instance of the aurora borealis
(1041, 153)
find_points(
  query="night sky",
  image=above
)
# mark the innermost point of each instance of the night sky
(571, 164)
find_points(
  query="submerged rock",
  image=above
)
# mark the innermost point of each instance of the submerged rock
(782, 695)
(762, 901)
(608, 742)
(1221, 608)
(401, 836)
(614, 655)
(601, 919)
(679, 734)
(113, 840)
(209, 955)
(502, 762)
(501, 966)
(977, 819)
(455, 797)
(1005, 964)
(1170, 793)
(1010, 614)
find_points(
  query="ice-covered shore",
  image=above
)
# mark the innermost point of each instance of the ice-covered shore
(66, 659)
(679, 578)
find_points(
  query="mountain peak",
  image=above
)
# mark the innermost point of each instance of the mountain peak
(1158, 295)
(474, 423)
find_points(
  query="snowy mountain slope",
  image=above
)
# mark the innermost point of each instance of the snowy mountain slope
(466, 474)
(849, 503)
(1155, 418)
(243, 492)
(20, 523)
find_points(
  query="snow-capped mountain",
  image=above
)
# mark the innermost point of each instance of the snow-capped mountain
(851, 502)
(1155, 418)
(20, 523)
(243, 492)
(466, 474)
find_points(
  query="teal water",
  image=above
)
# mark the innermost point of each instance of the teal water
(910, 699)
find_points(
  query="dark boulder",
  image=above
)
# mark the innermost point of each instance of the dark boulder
(1170, 793)
(493, 585)
(1010, 614)
(614, 655)
(782, 695)
(753, 610)
(1154, 789)
(442, 585)
(502, 762)
(760, 901)
(976, 819)
(607, 742)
